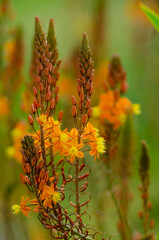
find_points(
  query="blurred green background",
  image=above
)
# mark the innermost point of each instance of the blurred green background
(126, 32)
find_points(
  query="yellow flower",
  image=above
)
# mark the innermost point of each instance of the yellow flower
(16, 209)
(42, 119)
(100, 145)
(137, 109)
(22, 207)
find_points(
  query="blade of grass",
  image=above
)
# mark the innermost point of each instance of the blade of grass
(151, 15)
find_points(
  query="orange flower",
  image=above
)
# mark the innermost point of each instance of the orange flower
(22, 207)
(89, 131)
(96, 143)
(72, 150)
(113, 110)
(50, 196)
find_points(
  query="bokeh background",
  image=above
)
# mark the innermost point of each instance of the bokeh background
(113, 26)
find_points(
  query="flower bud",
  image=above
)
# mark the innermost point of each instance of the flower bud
(84, 119)
(52, 104)
(60, 116)
(46, 71)
(22, 178)
(37, 78)
(89, 112)
(140, 214)
(88, 103)
(48, 96)
(152, 223)
(33, 109)
(73, 100)
(57, 89)
(30, 119)
(74, 111)
(49, 79)
(41, 88)
(35, 91)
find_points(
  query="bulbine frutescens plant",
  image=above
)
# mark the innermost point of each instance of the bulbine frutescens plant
(53, 160)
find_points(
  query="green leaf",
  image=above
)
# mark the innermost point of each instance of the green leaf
(152, 16)
(157, 237)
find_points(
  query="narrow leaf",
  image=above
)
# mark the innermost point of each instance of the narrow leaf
(151, 15)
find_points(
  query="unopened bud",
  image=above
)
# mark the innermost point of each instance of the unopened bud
(83, 80)
(88, 103)
(35, 91)
(41, 164)
(30, 119)
(33, 109)
(152, 223)
(88, 85)
(123, 87)
(149, 205)
(57, 89)
(89, 112)
(37, 78)
(46, 71)
(49, 79)
(60, 116)
(74, 111)
(22, 178)
(41, 88)
(88, 73)
(82, 96)
(140, 214)
(42, 173)
(47, 63)
(52, 104)
(27, 168)
(73, 100)
(49, 55)
(48, 96)
(84, 119)
(57, 98)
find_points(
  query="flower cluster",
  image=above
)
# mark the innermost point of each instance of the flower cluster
(51, 157)
(114, 109)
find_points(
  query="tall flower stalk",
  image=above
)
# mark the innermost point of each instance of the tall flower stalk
(53, 158)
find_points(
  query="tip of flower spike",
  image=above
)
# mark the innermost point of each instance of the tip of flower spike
(51, 23)
(85, 43)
